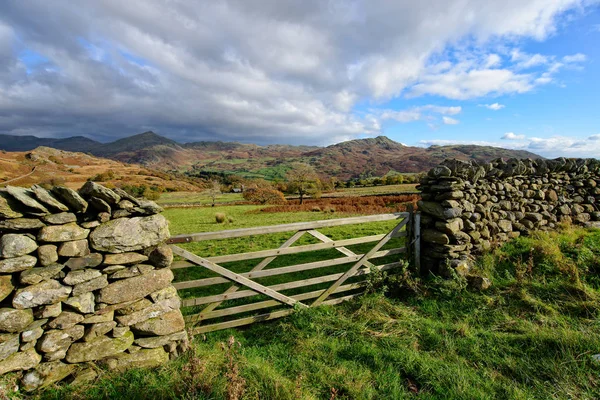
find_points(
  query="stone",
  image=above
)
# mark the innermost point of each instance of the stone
(136, 287)
(126, 196)
(126, 205)
(6, 286)
(9, 344)
(552, 196)
(17, 264)
(80, 276)
(113, 268)
(124, 235)
(27, 345)
(165, 324)
(20, 361)
(45, 374)
(15, 245)
(62, 233)
(84, 303)
(46, 198)
(124, 259)
(26, 197)
(91, 285)
(21, 224)
(153, 311)
(99, 348)
(95, 330)
(505, 225)
(66, 320)
(103, 217)
(60, 219)
(434, 236)
(450, 226)
(76, 248)
(57, 340)
(99, 205)
(56, 355)
(149, 206)
(8, 206)
(47, 254)
(535, 217)
(130, 272)
(49, 311)
(163, 294)
(145, 358)
(159, 341)
(37, 275)
(121, 214)
(13, 321)
(119, 331)
(84, 376)
(47, 292)
(92, 189)
(92, 260)
(438, 211)
(97, 318)
(478, 282)
(161, 257)
(71, 198)
(90, 224)
(133, 306)
(34, 331)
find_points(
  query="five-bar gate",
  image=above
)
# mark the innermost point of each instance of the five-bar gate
(230, 299)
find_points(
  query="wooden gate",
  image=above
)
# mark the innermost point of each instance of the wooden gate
(238, 292)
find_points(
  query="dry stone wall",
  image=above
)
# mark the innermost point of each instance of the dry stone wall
(84, 277)
(467, 208)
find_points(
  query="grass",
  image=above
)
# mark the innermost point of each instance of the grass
(531, 336)
(202, 198)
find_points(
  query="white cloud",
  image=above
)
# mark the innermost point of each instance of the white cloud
(512, 136)
(594, 137)
(450, 121)
(263, 72)
(421, 113)
(493, 106)
(575, 58)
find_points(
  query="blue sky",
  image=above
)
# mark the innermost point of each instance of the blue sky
(517, 73)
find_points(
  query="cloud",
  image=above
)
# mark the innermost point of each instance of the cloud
(422, 113)
(450, 121)
(493, 106)
(512, 136)
(265, 72)
(575, 58)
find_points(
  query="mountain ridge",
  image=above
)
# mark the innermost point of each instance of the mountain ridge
(351, 159)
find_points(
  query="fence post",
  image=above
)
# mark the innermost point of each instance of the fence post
(417, 240)
(409, 234)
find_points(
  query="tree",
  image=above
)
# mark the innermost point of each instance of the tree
(214, 191)
(264, 196)
(302, 178)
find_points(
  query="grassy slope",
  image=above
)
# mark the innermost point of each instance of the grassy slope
(531, 335)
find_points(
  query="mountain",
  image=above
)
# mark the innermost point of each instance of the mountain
(352, 159)
(26, 143)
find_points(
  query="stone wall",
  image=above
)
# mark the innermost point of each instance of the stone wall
(84, 277)
(467, 208)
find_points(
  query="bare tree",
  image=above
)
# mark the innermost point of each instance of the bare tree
(302, 178)
(214, 191)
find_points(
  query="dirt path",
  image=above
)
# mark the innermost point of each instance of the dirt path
(19, 177)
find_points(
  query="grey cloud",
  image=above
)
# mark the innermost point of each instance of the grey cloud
(268, 71)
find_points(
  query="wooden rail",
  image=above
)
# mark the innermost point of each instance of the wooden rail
(329, 277)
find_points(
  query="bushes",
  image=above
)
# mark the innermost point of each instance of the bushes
(220, 218)
(263, 195)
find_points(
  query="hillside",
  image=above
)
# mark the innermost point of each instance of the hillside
(352, 159)
(48, 165)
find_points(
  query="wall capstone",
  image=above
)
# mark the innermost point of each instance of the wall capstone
(84, 277)
(469, 207)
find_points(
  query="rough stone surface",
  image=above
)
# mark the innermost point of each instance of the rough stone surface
(60, 219)
(9, 344)
(47, 292)
(99, 348)
(6, 286)
(34, 331)
(161, 257)
(123, 234)
(12, 320)
(94, 284)
(66, 320)
(76, 248)
(62, 233)
(17, 264)
(71, 198)
(81, 275)
(84, 303)
(47, 254)
(154, 310)
(124, 259)
(46, 374)
(20, 361)
(49, 311)
(145, 358)
(21, 224)
(15, 245)
(136, 287)
(95, 330)
(92, 189)
(92, 260)
(159, 341)
(48, 199)
(165, 324)
(26, 197)
(37, 275)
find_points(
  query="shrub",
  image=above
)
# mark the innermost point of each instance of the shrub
(316, 209)
(230, 220)
(263, 195)
(220, 218)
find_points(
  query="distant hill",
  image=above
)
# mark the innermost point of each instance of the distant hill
(352, 159)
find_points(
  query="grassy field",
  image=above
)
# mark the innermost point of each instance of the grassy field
(531, 336)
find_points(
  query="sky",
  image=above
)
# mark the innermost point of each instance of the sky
(521, 74)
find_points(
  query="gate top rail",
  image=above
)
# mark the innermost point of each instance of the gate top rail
(296, 226)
